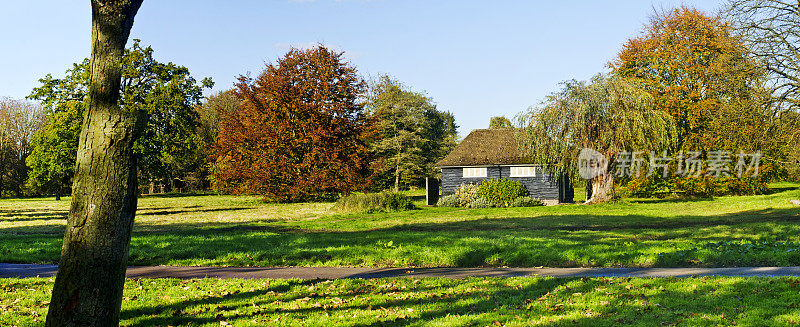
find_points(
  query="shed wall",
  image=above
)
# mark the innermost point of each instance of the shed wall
(541, 187)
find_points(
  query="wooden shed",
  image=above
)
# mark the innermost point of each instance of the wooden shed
(495, 153)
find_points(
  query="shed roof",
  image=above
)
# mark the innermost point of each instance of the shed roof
(486, 147)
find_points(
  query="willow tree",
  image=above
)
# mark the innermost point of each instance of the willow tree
(91, 273)
(609, 114)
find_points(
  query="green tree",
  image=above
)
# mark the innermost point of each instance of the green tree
(91, 272)
(163, 94)
(440, 132)
(411, 134)
(609, 114)
(500, 122)
(52, 160)
(216, 106)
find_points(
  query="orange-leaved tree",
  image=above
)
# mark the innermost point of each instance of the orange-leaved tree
(698, 71)
(299, 132)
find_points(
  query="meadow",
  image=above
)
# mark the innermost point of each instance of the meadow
(218, 230)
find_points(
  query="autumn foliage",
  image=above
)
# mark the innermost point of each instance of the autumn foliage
(698, 71)
(299, 131)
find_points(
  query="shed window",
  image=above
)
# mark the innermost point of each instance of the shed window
(523, 172)
(474, 172)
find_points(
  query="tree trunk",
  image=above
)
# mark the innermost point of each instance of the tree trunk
(2, 172)
(602, 188)
(397, 179)
(91, 274)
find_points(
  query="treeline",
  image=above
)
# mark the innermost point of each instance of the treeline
(690, 83)
(308, 127)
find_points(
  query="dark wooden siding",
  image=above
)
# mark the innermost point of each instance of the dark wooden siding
(541, 187)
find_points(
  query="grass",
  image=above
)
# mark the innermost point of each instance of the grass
(242, 231)
(702, 301)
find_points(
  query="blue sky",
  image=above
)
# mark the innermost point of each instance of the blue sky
(476, 59)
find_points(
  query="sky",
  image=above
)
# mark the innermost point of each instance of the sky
(476, 59)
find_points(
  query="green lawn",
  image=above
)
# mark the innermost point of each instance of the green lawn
(706, 301)
(242, 231)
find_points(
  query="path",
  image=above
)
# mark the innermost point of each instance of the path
(26, 270)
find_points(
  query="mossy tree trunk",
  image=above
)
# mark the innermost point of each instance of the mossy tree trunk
(88, 287)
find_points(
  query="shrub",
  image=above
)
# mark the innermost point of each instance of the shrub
(526, 201)
(481, 203)
(373, 202)
(449, 201)
(701, 186)
(467, 193)
(502, 192)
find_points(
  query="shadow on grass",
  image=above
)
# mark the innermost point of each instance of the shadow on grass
(672, 200)
(233, 307)
(176, 310)
(540, 241)
(550, 240)
(781, 189)
(32, 214)
(176, 195)
(488, 302)
(150, 212)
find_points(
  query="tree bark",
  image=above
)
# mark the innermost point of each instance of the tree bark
(602, 188)
(397, 178)
(91, 274)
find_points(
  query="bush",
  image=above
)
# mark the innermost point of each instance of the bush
(467, 193)
(701, 186)
(373, 202)
(526, 201)
(481, 203)
(502, 192)
(449, 201)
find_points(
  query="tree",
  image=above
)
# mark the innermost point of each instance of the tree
(411, 134)
(791, 123)
(440, 132)
(500, 122)
(19, 121)
(698, 71)
(610, 114)
(398, 115)
(299, 131)
(52, 160)
(216, 105)
(91, 272)
(165, 96)
(771, 29)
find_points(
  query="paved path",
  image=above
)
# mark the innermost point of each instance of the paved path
(24, 270)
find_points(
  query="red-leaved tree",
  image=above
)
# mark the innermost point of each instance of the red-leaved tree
(299, 131)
